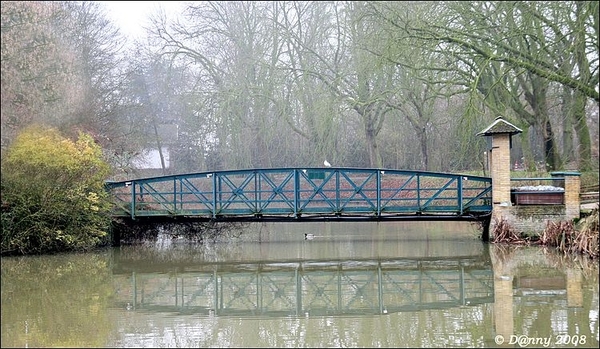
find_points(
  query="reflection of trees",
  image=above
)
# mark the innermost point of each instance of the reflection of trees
(504, 253)
(140, 232)
(511, 255)
(169, 248)
(562, 261)
(55, 301)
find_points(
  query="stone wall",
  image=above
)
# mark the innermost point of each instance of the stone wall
(530, 219)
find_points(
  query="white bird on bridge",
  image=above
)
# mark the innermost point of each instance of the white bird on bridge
(326, 163)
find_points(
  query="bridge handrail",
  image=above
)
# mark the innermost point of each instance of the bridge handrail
(280, 169)
(301, 190)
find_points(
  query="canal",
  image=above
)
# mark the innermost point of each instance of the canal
(391, 284)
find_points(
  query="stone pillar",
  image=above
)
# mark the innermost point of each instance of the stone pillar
(500, 169)
(572, 185)
(500, 132)
(500, 173)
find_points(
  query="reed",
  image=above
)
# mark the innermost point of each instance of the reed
(559, 234)
(504, 233)
(586, 241)
(567, 237)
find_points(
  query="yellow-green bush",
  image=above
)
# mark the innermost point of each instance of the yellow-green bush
(53, 196)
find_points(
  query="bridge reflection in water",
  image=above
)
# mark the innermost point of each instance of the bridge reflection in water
(307, 287)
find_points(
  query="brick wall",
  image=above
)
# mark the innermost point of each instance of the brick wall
(500, 169)
(530, 219)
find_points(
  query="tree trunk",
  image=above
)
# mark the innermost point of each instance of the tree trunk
(528, 157)
(423, 142)
(583, 132)
(371, 138)
(567, 116)
(550, 153)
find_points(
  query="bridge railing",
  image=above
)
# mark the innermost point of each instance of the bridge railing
(307, 192)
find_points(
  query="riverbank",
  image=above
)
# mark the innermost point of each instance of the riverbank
(566, 236)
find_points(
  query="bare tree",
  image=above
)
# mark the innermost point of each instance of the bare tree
(37, 67)
(236, 45)
(511, 53)
(96, 45)
(350, 73)
(311, 109)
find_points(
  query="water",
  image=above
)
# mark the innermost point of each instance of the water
(404, 284)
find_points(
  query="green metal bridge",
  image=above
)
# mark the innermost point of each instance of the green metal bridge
(300, 194)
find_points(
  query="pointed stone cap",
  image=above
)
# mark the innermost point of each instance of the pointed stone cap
(500, 126)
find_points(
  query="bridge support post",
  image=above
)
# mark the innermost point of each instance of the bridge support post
(485, 224)
(115, 235)
(500, 132)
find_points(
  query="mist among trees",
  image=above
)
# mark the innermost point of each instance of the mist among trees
(233, 85)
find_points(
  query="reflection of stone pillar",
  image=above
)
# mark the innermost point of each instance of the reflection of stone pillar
(503, 267)
(574, 288)
(503, 306)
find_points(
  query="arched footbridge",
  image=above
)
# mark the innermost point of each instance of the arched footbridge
(301, 194)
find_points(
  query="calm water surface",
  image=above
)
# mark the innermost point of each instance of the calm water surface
(346, 285)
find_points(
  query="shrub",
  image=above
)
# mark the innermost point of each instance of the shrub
(53, 196)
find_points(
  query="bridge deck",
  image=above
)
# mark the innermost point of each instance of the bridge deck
(304, 194)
